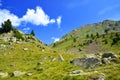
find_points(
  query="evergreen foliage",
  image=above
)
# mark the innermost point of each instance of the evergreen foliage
(32, 33)
(6, 26)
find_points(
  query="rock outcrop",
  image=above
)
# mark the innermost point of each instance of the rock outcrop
(86, 62)
(94, 61)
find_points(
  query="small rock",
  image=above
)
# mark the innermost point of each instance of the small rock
(53, 59)
(77, 72)
(13, 39)
(29, 74)
(25, 49)
(105, 61)
(18, 42)
(102, 76)
(60, 59)
(43, 50)
(39, 63)
(18, 73)
(12, 65)
(3, 74)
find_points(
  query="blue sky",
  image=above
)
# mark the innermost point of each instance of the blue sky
(52, 19)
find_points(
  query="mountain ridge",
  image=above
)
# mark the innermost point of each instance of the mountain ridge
(85, 36)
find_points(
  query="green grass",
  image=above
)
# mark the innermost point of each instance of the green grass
(53, 70)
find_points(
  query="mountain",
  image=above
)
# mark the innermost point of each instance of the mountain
(92, 38)
(80, 55)
(23, 56)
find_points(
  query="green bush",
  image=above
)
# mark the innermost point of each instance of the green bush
(17, 34)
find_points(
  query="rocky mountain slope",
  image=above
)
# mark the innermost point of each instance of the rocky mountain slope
(23, 57)
(92, 38)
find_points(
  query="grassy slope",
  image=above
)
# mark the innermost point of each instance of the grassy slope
(72, 43)
(27, 61)
(53, 70)
(77, 37)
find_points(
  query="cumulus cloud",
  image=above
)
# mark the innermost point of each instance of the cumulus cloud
(59, 21)
(26, 29)
(7, 15)
(34, 16)
(37, 17)
(55, 39)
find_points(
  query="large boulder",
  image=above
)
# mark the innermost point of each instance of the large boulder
(86, 62)
(13, 39)
(110, 56)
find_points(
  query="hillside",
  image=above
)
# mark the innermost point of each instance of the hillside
(24, 57)
(92, 38)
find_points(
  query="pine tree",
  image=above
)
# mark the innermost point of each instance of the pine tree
(7, 26)
(32, 33)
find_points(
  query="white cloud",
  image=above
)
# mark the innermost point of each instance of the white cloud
(37, 17)
(59, 21)
(7, 15)
(55, 39)
(26, 29)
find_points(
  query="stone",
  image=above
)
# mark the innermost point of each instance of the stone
(53, 59)
(29, 74)
(18, 73)
(86, 62)
(25, 49)
(13, 39)
(101, 76)
(110, 56)
(2, 46)
(3, 74)
(105, 61)
(81, 72)
(60, 58)
(18, 42)
(39, 63)
(12, 65)
(43, 50)
(77, 72)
